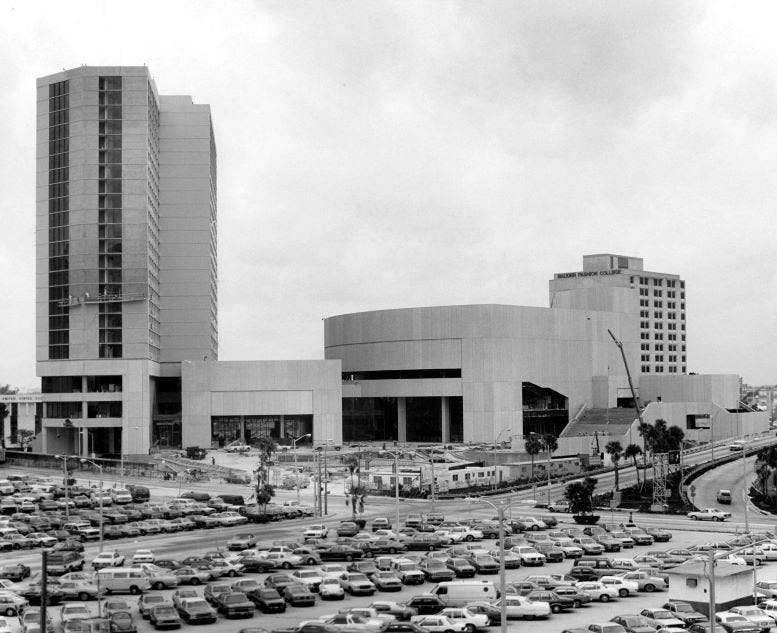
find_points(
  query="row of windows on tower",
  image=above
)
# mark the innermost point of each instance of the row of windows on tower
(59, 175)
(109, 216)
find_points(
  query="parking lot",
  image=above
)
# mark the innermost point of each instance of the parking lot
(212, 542)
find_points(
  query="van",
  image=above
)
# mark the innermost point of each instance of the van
(233, 500)
(123, 579)
(63, 562)
(139, 493)
(724, 496)
(458, 593)
(413, 521)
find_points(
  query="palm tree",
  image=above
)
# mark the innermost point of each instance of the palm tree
(580, 495)
(533, 445)
(632, 452)
(615, 451)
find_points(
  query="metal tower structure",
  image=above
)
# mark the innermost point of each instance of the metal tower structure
(660, 461)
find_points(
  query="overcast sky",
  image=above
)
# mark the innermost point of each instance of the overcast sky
(394, 154)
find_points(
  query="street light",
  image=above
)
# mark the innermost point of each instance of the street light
(496, 442)
(395, 454)
(296, 471)
(500, 510)
(99, 466)
(67, 483)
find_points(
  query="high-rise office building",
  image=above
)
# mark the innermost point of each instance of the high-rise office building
(126, 257)
(616, 283)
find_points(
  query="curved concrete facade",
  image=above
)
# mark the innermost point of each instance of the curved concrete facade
(486, 355)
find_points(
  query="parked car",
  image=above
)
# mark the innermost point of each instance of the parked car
(709, 514)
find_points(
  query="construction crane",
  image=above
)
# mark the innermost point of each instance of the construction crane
(659, 471)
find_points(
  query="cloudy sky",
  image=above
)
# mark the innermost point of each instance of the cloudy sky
(392, 154)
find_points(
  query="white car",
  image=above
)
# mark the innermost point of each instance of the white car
(108, 559)
(468, 534)
(347, 622)
(283, 560)
(520, 607)
(316, 531)
(308, 577)
(597, 590)
(569, 548)
(624, 587)
(237, 448)
(74, 611)
(5, 627)
(438, 624)
(331, 589)
(143, 556)
(709, 514)
(755, 615)
(534, 524)
(644, 581)
(528, 555)
(120, 495)
(390, 534)
(449, 537)
(472, 621)
(729, 617)
(333, 570)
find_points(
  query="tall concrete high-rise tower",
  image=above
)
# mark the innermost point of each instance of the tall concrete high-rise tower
(619, 283)
(126, 257)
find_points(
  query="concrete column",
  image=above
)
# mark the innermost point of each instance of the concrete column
(401, 420)
(445, 419)
(242, 429)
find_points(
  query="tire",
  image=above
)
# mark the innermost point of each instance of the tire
(194, 581)
(577, 604)
(716, 518)
(159, 585)
(604, 598)
(348, 558)
(392, 550)
(534, 528)
(650, 588)
(554, 608)
(83, 596)
(232, 573)
(10, 612)
(310, 561)
(470, 538)
(694, 517)
(623, 593)
(134, 590)
(529, 617)
(469, 628)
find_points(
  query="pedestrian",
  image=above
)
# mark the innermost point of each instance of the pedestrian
(213, 460)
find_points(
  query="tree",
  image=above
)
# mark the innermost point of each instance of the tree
(580, 495)
(357, 493)
(533, 445)
(267, 448)
(264, 492)
(615, 451)
(632, 452)
(25, 437)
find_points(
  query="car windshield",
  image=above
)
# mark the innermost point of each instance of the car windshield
(683, 608)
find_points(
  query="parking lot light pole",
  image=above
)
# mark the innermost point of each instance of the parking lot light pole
(496, 443)
(296, 471)
(326, 478)
(500, 510)
(99, 466)
(67, 484)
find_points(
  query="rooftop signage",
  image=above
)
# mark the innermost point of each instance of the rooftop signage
(595, 273)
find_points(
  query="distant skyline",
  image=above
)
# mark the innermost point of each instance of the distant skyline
(396, 154)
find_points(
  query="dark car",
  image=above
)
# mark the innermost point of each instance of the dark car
(608, 542)
(347, 528)
(54, 595)
(123, 622)
(267, 600)
(659, 535)
(436, 570)
(578, 598)
(583, 574)
(256, 565)
(551, 551)
(557, 603)
(164, 617)
(634, 623)
(484, 564)
(426, 604)
(235, 604)
(424, 541)
(299, 596)
(212, 592)
(17, 572)
(196, 610)
(461, 567)
(339, 552)
(403, 627)
(279, 582)
(491, 611)
(387, 546)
